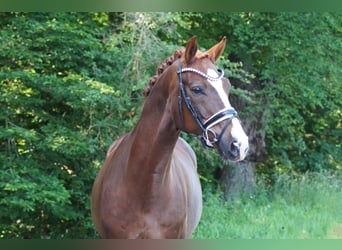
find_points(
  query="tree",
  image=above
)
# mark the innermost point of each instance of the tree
(57, 120)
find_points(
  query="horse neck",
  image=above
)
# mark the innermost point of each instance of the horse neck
(155, 135)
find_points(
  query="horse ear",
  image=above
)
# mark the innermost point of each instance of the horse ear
(216, 51)
(191, 49)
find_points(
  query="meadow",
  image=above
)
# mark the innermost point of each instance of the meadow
(297, 207)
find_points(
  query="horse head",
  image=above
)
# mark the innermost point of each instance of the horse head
(203, 105)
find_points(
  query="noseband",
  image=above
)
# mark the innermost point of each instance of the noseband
(225, 114)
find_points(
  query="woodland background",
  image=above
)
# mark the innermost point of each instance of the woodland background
(71, 83)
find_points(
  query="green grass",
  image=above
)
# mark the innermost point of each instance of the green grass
(302, 207)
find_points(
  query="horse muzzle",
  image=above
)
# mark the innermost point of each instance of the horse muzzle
(234, 146)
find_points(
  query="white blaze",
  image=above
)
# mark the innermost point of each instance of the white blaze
(240, 136)
(237, 132)
(218, 85)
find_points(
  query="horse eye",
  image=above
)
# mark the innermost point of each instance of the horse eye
(197, 90)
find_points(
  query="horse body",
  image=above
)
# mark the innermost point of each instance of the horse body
(169, 208)
(148, 186)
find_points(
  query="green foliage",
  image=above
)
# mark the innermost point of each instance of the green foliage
(59, 120)
(71, 83)
(303, 88)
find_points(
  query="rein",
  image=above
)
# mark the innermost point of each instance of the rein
(225, 114)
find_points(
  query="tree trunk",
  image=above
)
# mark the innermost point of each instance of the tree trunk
(239, 178)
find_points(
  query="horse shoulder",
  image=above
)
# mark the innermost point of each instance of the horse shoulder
(183, 147)
(98, 185)
(185, 163)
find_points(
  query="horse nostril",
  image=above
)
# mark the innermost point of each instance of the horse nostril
(235, 148)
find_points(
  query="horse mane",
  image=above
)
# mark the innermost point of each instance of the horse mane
(161, 68)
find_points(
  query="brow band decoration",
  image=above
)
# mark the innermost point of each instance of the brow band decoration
(206, 76)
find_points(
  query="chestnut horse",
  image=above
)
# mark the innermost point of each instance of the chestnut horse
(148, 186)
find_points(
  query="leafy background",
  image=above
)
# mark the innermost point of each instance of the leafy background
(71, 83)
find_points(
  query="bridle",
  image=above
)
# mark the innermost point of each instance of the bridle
(225, 114)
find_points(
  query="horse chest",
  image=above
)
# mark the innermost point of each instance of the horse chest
(147, 220)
